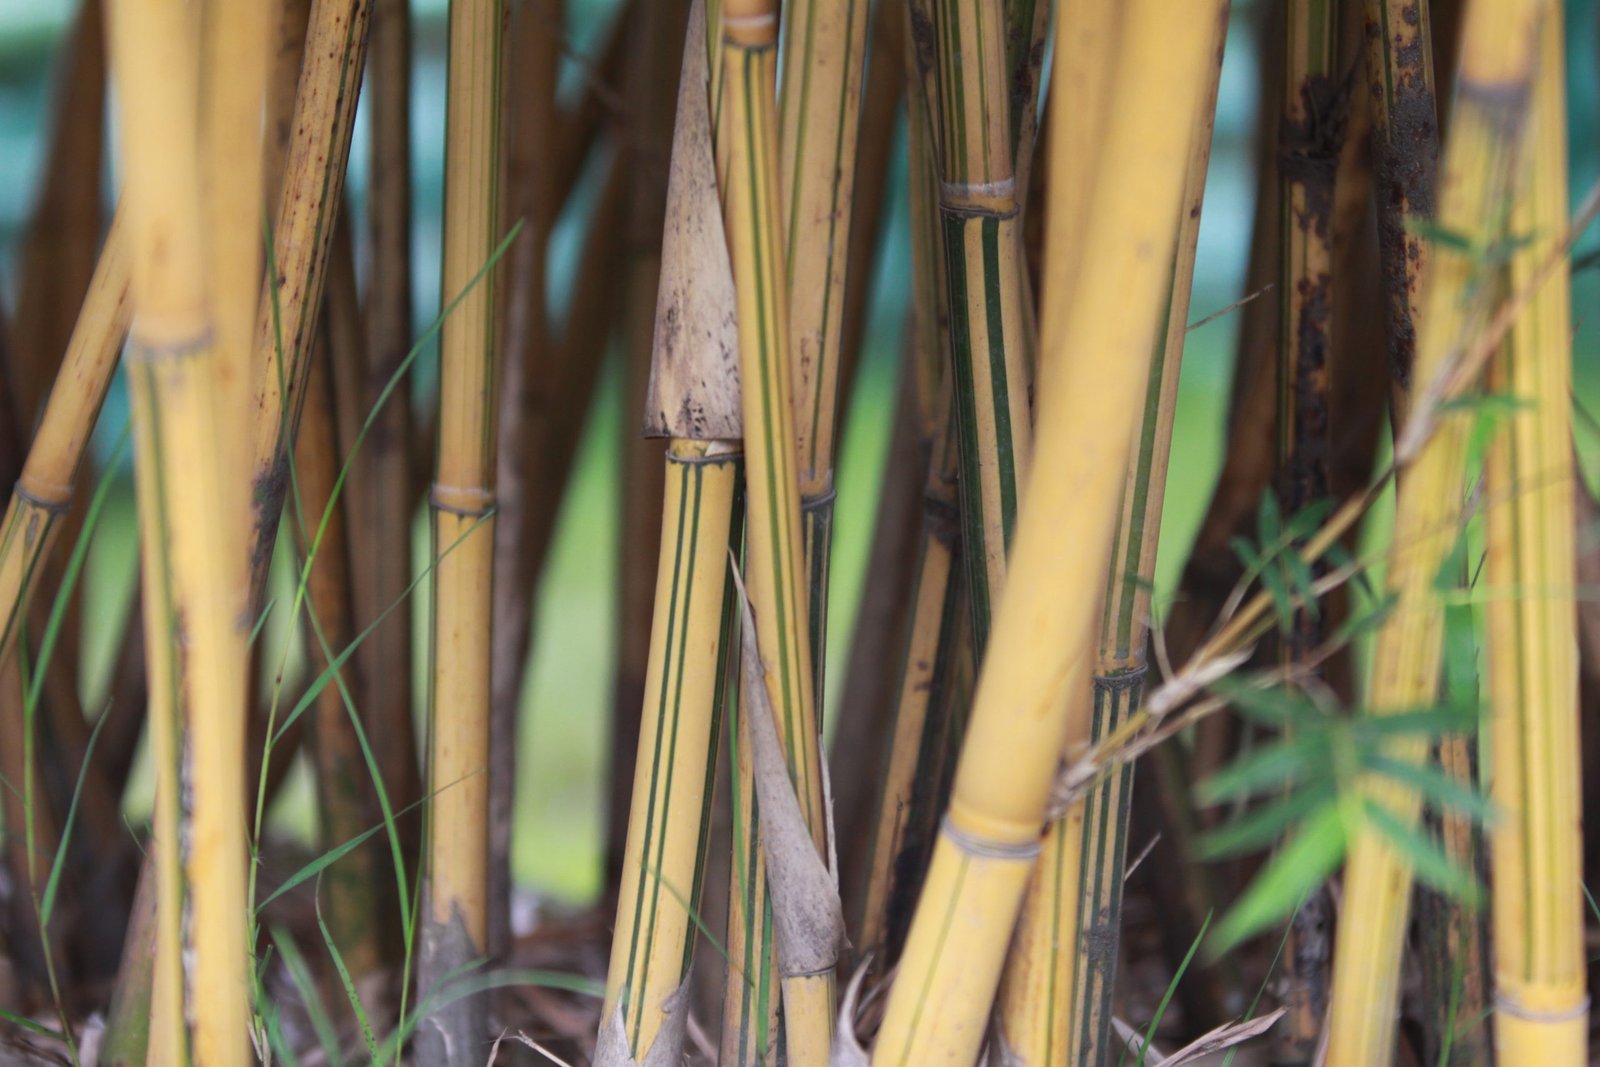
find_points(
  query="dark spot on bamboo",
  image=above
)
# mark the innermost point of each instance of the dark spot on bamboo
(1308, 147)
(1405, 162)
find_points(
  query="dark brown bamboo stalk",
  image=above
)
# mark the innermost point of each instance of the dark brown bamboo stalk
(381, 497)
(345, 801)
(527, 361)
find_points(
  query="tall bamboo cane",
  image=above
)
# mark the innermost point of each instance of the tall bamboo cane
(44, 490)
(653, 74)
(381, 491)
(925, 661)
(1479, 168)
(1056, 996)
(1309, 140)
(1405, 149)
(1541, 1007)
(746, 134)
(454, 923)
(193, 525)
(818, 123)
(690, 399)
(978, 213)
(313, 189)
(1043, 629)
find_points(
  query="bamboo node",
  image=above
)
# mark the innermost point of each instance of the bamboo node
(153, 351)
(33, 500)
(1121, 681)
(754, 33)
(466, 501)
(995, 200)
(1506, 1004)
(999, 850)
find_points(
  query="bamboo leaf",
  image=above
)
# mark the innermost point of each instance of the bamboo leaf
(1426, 857)
(1265, 768)
(1309, 857)
(1263, 826)
(1435, 785)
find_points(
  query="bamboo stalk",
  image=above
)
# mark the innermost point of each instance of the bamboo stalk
(292, 24)
(1043, 629)
(522, 454)
(1405, 148)
(978, 211)
(548, 388)
(346, 806)
(1541, 1005)
(44, 490)
(1056, 1005)
(380, 494)
(818, 124)
(57, 256)
(1309, 143)
(313, 188)
(193, 525)
(652, 947)
(1479, 169)
(746, 133)
(455, 921)
(653, 78)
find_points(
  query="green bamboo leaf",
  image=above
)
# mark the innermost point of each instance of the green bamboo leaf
(1435, 785)
(1309, 857)
(1262, 827)
(1427, 859)
(1269, 520)
(1308, 520)
(1282, 600)
(1265, 768)
(1428, 722)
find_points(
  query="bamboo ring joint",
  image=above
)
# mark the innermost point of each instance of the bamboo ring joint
(999, 850)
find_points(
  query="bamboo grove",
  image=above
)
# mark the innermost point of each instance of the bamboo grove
(1061, 742)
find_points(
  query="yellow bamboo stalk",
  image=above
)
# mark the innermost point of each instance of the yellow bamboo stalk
(989, 331)
(45, 488)
(651, 948)
(1087, 35)
(56, 256)
(193, 526)
(690, 656)
(746, 132)
(1479, 167)
(1056, 994)
(818, 123)
(1041, 651)
(1541, 1007)
(455, 924)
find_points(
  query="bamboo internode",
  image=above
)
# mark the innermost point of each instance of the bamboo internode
(1480, 166)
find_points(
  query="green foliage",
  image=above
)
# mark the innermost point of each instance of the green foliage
(1308, 786)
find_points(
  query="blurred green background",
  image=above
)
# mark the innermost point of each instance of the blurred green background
(560, 795)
